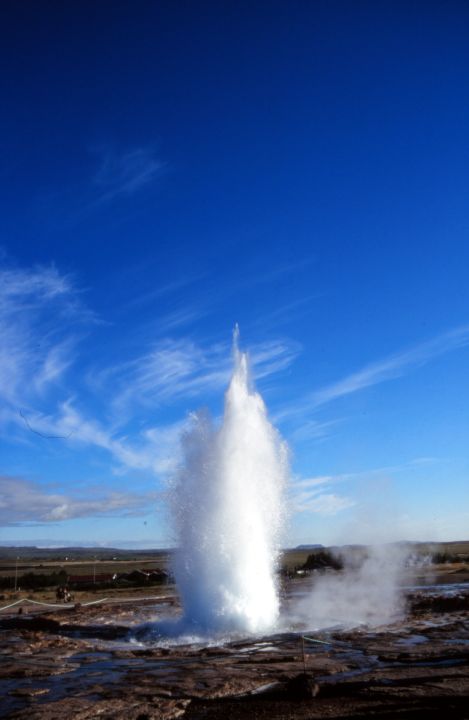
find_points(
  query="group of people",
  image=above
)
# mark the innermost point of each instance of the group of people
(63, 594)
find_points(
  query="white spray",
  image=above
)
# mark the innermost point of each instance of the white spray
(227, 505)
(364, 592)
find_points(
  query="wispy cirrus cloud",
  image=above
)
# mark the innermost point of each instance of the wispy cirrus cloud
(317, 494)
(322, 503)
(38, 308)
(163, 291)
(112, 174)
(41, 318)
(384, 370)
(153, 449)
(272, 356)
(122, 174)
(26, 502)
(393, 366)
(311, 429)
(265, 275)
(313, 495)
(283, 314)
(178, 318)
(176, 368)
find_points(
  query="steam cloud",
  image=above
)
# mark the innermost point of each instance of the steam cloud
(367, 591)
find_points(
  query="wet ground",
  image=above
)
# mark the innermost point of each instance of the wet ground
(90, 662)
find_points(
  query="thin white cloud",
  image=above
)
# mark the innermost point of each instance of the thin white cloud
(393, 366)
(390, 368)
(312, 430)
(177, 318)
(177, 368)
(30, 288)
(55, 363)
(282, 315)
(37, 309)
(154, 449)
(163, 291)
(322, 504)
(273, 356)
(313, 482)
(26, 502)
(173, 369)
(267, 275)
(125, 173)
(313, 496)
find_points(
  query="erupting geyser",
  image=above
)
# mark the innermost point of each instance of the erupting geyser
(227, 505)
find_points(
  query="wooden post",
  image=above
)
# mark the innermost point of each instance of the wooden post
(303, 651)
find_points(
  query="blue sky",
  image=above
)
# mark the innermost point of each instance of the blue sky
(169, 169)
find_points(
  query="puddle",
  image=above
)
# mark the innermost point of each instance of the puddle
(412, 640)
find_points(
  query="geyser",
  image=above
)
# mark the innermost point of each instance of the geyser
(227, 505)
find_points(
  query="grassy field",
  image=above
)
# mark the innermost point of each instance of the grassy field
(86, 561)
(82, 563)
(85, 564)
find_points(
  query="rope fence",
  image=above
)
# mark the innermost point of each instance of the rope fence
(82, 604)
(314, 640)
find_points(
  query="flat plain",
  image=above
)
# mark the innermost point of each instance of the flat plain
(84, 661)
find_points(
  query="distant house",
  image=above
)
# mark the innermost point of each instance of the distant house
(158, 574)
(139, 576)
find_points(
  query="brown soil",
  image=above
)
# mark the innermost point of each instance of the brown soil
(79, 663)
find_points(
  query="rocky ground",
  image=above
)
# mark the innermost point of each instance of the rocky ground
(79, 663)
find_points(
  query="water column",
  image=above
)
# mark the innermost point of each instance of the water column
(228, 507)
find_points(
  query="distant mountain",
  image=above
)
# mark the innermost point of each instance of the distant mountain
(309, 547)
(76, 552)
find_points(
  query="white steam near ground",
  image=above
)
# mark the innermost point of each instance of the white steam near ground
(366, 591)
(369, 588)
